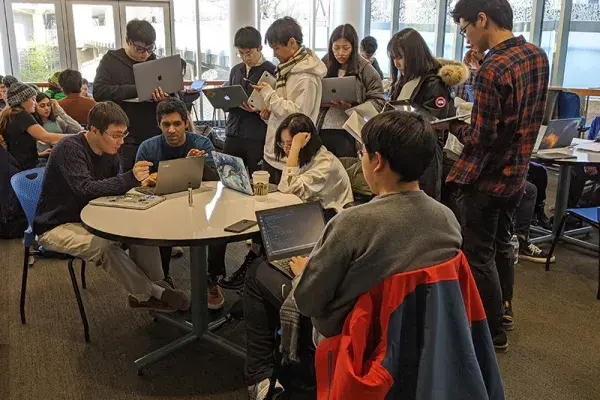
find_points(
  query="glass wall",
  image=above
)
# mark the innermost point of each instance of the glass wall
(421, 16)
(522, 17)
(381, 28)
(186, 40)
(583, 53)
(322, 28)
(214, 39)
(550, 27)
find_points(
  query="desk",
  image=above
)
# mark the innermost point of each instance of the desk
(584, 93)
(174, 223)
(562, 195)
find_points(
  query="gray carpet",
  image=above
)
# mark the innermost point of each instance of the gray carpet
(554, 350)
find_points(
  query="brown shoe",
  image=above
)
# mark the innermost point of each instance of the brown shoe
(215, 297)
(177, 299)
(152, 304)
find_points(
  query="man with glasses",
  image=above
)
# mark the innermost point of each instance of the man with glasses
(115, 82)
(81, 168)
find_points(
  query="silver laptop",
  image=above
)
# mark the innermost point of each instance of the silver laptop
(226, 97)
(163, 72)
(128, 200)
(290, 231)
(339, 89)
(177, 176)
(557, 135)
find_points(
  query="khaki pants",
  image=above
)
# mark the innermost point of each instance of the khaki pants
(135, 271)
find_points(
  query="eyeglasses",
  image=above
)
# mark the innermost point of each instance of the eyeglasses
(342, 50)
(117, 137)
(247, 54)
(463, 30)
(284, 145)
(144, 49)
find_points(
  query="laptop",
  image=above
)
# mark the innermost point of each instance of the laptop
(290, 231)
(234, 175)
(339, 89)
(163, 72)
(226, 97)
(128, 200)
(557, 135)
(177, 176)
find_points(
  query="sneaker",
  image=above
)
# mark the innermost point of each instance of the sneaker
(176, 298)
(500, 342)
(259, 390)
(542, 219)
(215, 297)
(508, 322)
(176, 252)
(169, 281)
(532, 253)
(236, 280)
(152, 304)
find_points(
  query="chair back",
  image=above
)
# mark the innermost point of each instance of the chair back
(594, 128)
(569, 105)
(28, 188)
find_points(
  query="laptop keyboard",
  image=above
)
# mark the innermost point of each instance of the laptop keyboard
(145, 190)
(283, 266)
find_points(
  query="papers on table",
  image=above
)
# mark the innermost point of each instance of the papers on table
(589, 145)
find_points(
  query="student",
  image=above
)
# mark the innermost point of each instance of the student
(85, 88)
(368, 47)
(418, 78)
(246, 131)
(20, 130)
(298, 89)
(12, 218)
(54, 91)
(84, 167)
(401, 229)
(50, 115)
(343, 59)
(115, 82)
(77, 106)
(492, 167)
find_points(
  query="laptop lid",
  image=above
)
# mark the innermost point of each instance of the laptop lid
(163, 72)
(339, 89)
(559, 133)
(290, 231)
(179, 174)
(232, 172)
(226, 97)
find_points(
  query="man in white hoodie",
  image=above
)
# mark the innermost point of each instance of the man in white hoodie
(298, 89)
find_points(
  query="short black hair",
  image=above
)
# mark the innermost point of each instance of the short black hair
(369, 45)
(247, 37)
(282, 30)
(297, 123)
(347, 32)
(404, 140)
(84, 82)
(169, 106)
(139, 30)
(498, 11)
(106, 113)
(70, 81)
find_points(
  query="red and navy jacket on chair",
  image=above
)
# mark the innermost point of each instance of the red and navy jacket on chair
(417, 335)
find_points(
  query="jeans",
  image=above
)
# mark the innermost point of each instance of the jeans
(539, 177)
(486, 223)
(524, 212)
(250, 151)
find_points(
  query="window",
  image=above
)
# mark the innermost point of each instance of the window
(549, 27)
(450, 33)
(521, 17)
(186, 40)
(156, 17)
(322, 29)
(421, 16)
(214, 39)
(381, 28)
(583, 52)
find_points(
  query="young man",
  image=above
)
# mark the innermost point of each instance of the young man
(75, 105)
(246, 131)
(298, 89)
(81, 168)
(115, 82)
(491, 170)
(85, 88)
(368, 47)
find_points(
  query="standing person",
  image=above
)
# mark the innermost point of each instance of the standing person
(246, 131)
(343, 59)
(510, 99)
(115, 82)
(368, 47)
(75, 105)
(298, 89)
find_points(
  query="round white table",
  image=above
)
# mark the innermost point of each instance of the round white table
(175, 222)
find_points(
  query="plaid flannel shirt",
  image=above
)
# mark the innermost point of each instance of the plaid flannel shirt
(510, 99)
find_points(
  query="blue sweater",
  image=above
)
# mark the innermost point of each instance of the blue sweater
(157, 149)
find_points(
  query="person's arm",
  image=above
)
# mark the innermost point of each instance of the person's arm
(28, 124)
(373, 87)
(306, 185)
(436, 98)
(375, 65)
(104, 90)
(301, 99)
(204, 143)
(67, 124)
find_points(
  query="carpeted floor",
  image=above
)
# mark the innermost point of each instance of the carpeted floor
(554, 350)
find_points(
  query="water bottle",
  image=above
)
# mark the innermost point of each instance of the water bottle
(514, 241)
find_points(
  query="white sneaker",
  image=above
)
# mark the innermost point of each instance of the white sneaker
(259, 390)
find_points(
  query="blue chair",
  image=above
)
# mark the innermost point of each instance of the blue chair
(470, 94)
(569, 105)
(588, 215)
(28, 187)
(594, 129)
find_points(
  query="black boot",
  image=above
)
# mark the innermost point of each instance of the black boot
(541, 218)
(236, 280)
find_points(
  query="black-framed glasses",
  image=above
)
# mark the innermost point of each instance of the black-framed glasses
(144, 49)
(463, 30)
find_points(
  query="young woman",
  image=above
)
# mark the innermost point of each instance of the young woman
(19, 129)
(311, 172)
(344, 59)
(418, 78)
(50, 115)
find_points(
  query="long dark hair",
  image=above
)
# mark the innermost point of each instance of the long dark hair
(297, 123)
(347, 32)
(418, 60)
(51, 116)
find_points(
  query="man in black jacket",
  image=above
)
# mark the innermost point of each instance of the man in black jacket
(115, 82)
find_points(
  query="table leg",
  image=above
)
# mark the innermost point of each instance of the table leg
(562, 196)
(198, 273)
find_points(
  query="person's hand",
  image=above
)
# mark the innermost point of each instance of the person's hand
(45, 153)
(159, 95)
(297, 264)
(591, 170)
(342, 105)
(265, 114)
(249, 107)
(150, 180)
(54, 104)
(195, 153)
(141, 170)
(300, 140)
(260, 86)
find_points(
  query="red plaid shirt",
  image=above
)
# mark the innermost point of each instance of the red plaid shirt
(510, 99)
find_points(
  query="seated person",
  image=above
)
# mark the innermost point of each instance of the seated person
(84, 167)
(580, 175)
(368, 47)
(12, 218)
(54, 91)
(400, 230)
(75, 105)
(85, 88)
(53, 119)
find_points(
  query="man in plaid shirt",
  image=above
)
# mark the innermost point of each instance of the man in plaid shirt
(510, 99)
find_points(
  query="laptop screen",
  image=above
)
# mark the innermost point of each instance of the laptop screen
(290, 231)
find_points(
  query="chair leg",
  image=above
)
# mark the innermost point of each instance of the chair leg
(24, 284)
(563, 221)
(83, 283)
(86, 327)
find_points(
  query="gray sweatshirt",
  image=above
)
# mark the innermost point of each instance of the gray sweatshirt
(364, 245)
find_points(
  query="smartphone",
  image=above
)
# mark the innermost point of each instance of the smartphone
(241, 226)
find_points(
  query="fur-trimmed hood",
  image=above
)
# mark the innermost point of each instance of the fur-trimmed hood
(453, 72)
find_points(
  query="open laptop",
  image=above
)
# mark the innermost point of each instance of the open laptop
(226, 97)
(163, 72)
(339, 89)
(234, 175)
(177, 176)
(290, 231)
(557, 135)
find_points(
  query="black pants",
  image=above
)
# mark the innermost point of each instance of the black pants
(127, 152)
(339, 142)
(486, 223)
(274, 173)
(539, 177)
(578, 180)
(524, 212)
(251, 151)
(214, 268)
(449, 196)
